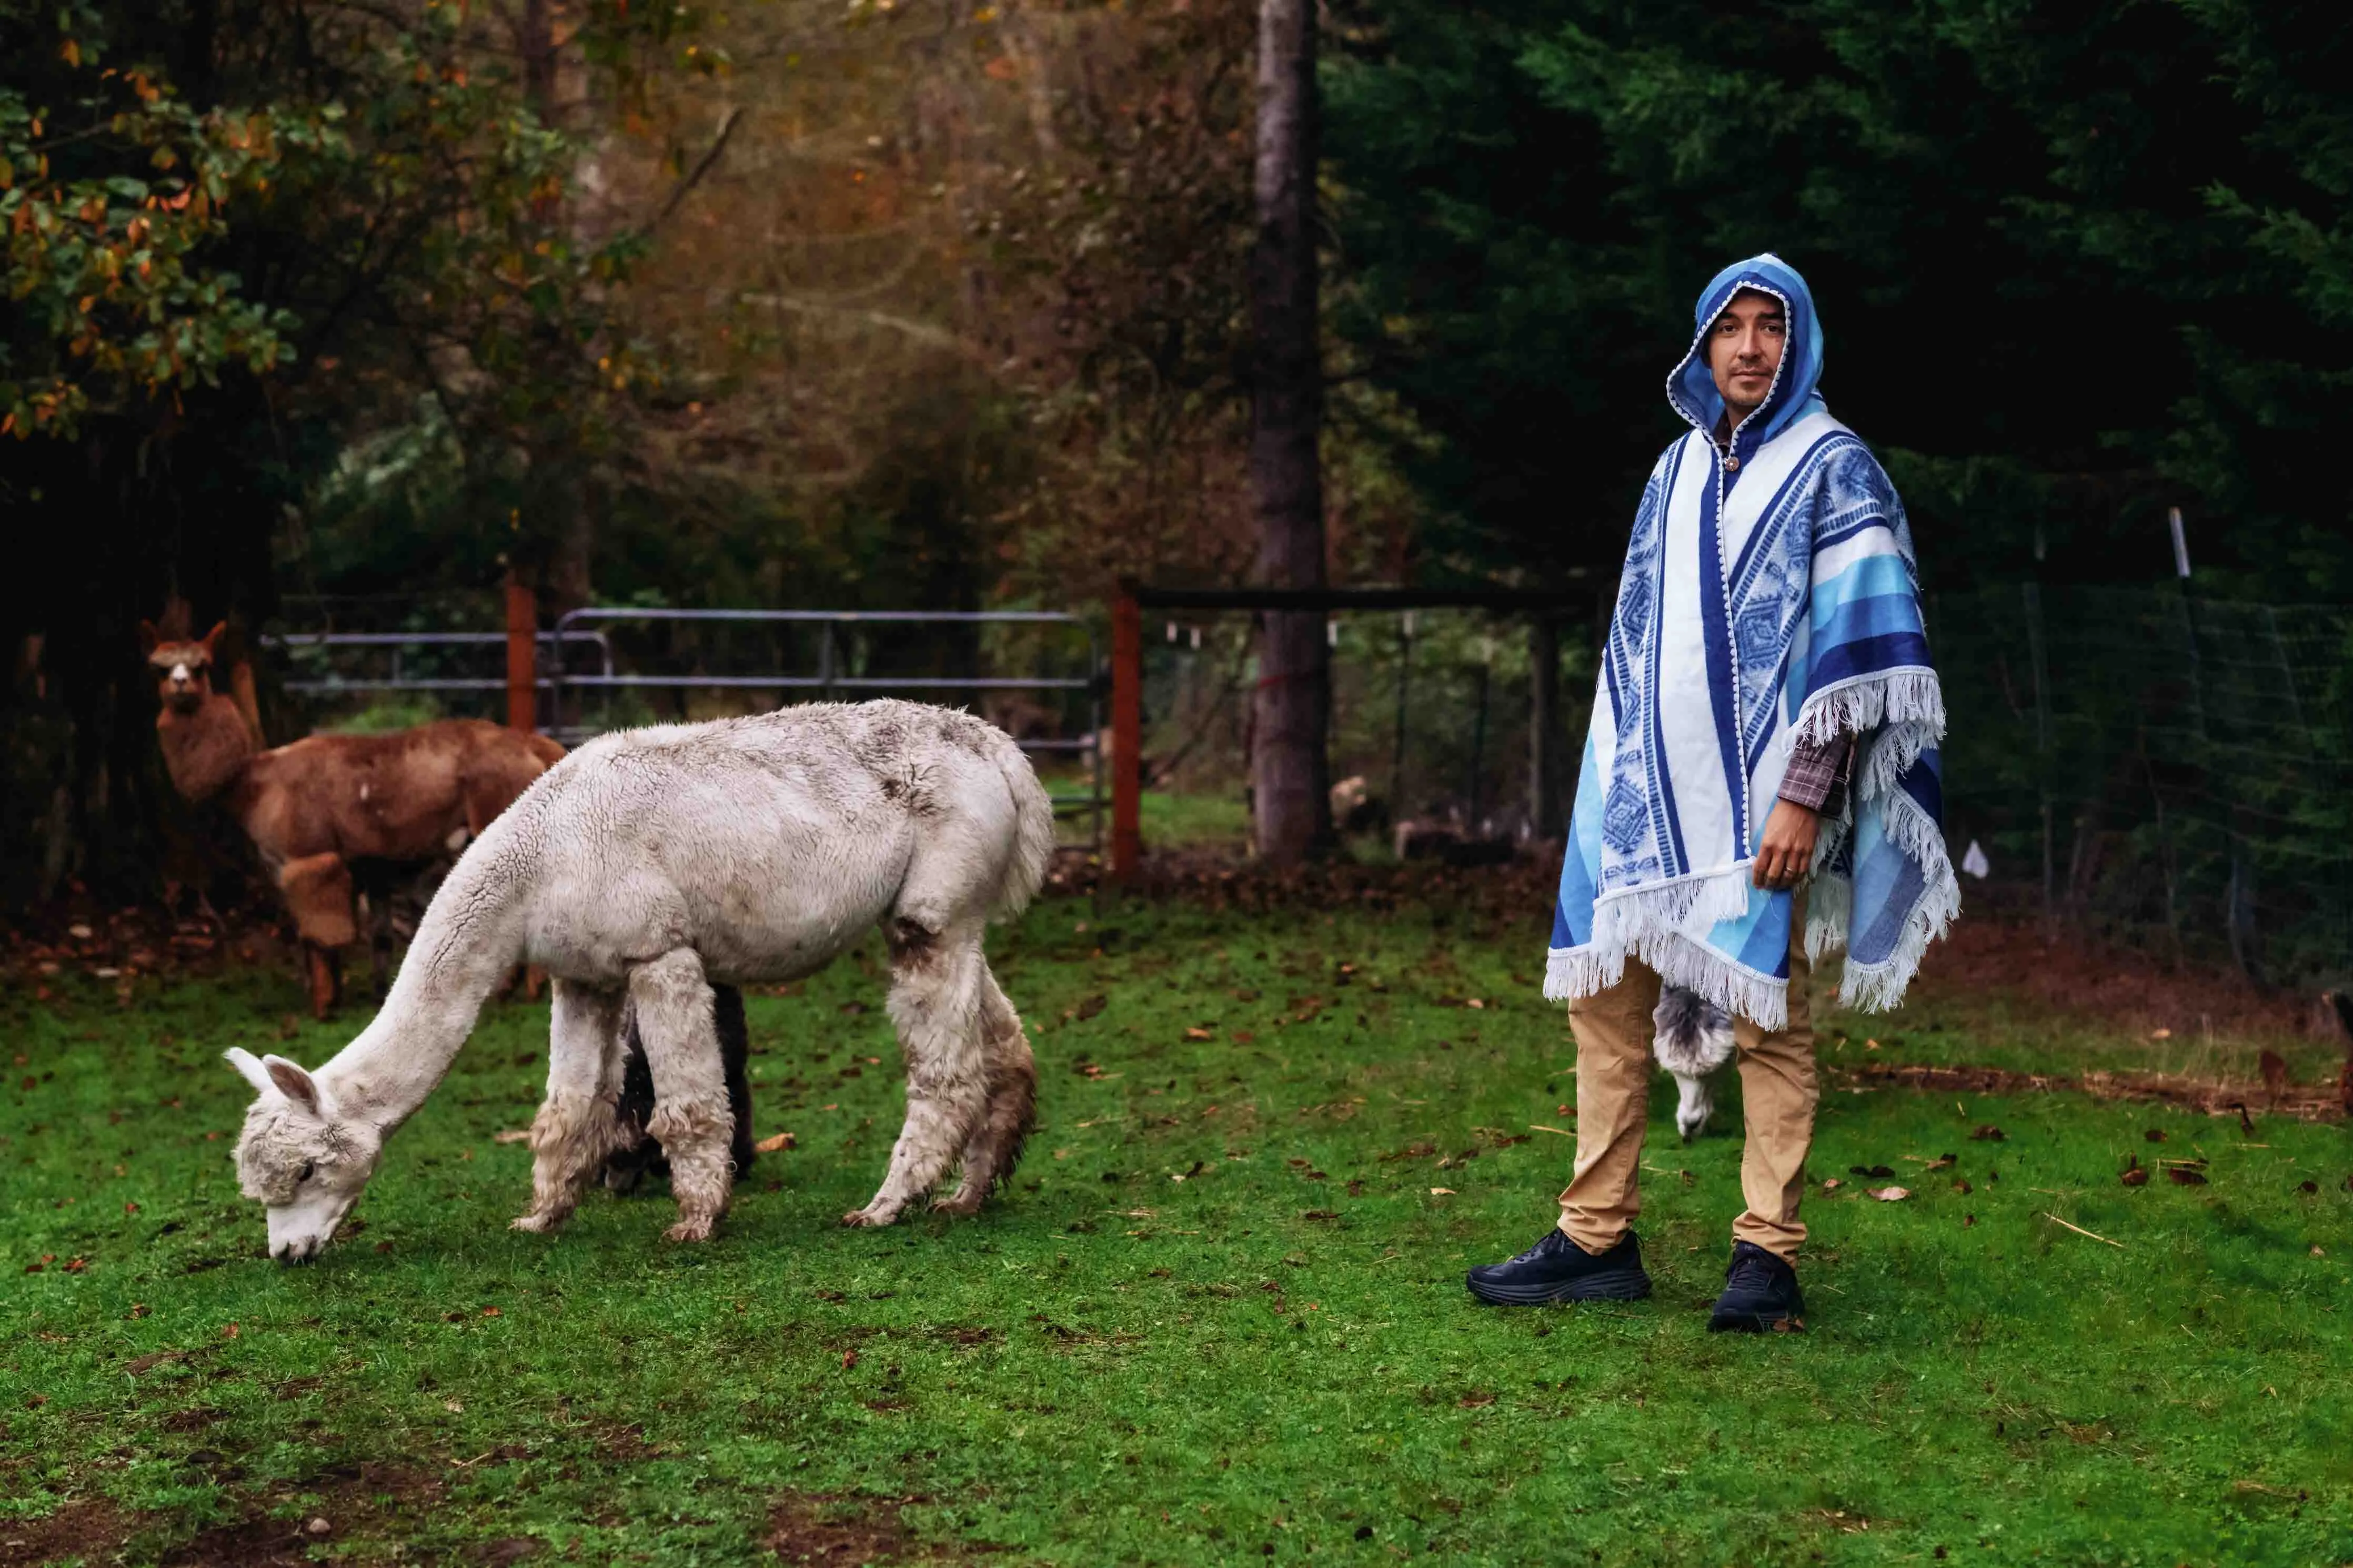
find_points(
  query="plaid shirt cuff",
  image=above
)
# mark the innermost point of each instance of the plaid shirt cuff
(1817, 778)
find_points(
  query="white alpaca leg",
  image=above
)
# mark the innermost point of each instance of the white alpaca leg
(691, 1116)
(576, 1126)
(935, 1001)
(1693, 1107)
(995, 1146)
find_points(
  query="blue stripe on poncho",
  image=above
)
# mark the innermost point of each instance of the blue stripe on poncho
(1761, 602)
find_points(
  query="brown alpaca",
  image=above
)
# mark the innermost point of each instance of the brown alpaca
(315, 807)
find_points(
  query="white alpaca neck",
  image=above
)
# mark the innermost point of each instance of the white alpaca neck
(469, 941)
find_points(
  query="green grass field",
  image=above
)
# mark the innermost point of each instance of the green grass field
(1219, 1317)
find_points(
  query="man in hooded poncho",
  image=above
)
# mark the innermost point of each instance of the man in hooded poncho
(1759, 788)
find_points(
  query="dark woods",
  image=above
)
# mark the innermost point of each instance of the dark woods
(947, 305)
(2078, 262)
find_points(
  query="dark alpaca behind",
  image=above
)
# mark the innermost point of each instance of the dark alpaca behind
(625, 1171)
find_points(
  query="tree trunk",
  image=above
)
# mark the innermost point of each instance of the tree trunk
(1289, 771)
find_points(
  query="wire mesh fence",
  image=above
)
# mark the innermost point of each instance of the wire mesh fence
(2169, 770)
(2172, 772)
(1432, 714)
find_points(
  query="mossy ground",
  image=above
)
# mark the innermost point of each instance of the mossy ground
(1219, 1314)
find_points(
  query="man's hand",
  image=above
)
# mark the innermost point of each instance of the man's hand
(1788, 853)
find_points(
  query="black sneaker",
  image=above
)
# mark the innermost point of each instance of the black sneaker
(1557, 1269)
(1760, 1295)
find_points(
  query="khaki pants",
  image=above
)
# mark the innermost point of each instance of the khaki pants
(1613, 1102)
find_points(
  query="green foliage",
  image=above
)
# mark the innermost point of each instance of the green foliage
(2075, 264)
(1112, 1365)
(111, 186)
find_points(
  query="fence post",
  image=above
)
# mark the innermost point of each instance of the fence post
(522, 655)
(1544, 719)
(2036, 663)
(1126, 735)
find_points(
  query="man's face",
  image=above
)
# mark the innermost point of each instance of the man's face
(1743, 350)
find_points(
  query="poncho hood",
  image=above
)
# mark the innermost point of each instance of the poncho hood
(1691, 386)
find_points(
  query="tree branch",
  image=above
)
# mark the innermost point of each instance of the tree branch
(694, 175)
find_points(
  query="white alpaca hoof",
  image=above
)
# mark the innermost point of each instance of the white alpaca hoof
(696, 1229)
(537, 1223)
(874, 1217)
(963, 1206)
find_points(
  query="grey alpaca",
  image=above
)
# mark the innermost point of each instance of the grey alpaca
(1694, 1038)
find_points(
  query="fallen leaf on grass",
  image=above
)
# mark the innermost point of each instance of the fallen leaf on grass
(1441, 1192)
(848, 1359)
(775, 1143)
(2155, 1135)
(1833, 1185)
(512, 1135)
(2183, 1176)
(2316, 1252)
(2307, 1187)
(1890, 1194)
(2135, 1174)
(1989, 1133)
(1199, 1034)
(1879, 1171)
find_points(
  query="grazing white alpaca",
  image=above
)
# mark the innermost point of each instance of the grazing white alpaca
(648, 865)
(1694, 1038)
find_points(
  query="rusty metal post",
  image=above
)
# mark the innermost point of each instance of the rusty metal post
(522, 655)
(1126, 735)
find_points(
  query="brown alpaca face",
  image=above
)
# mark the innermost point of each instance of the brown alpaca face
(182, 669)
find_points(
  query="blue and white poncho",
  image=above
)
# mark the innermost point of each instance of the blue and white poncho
(1763, 600)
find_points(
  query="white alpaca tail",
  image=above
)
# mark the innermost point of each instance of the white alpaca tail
(1033, 836)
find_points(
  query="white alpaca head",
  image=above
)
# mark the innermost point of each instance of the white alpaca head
(300, 1155)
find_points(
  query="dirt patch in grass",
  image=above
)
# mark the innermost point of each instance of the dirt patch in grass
(380, 1500)
(2307, 1102)
(377, 1501)
(840, 1531)
(2076, 976)
(79, 1527)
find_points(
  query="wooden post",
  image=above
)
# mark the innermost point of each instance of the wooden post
(522, 655)
(1126, 735)
(1544, 724)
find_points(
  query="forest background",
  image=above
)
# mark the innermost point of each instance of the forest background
(900, 303)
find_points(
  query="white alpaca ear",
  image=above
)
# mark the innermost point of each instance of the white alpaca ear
(248, 1068)
(297, 1085)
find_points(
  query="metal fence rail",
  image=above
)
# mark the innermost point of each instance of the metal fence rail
(396, 643)
(568, 720)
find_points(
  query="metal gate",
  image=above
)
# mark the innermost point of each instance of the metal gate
(568, 665)
(570, 720)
